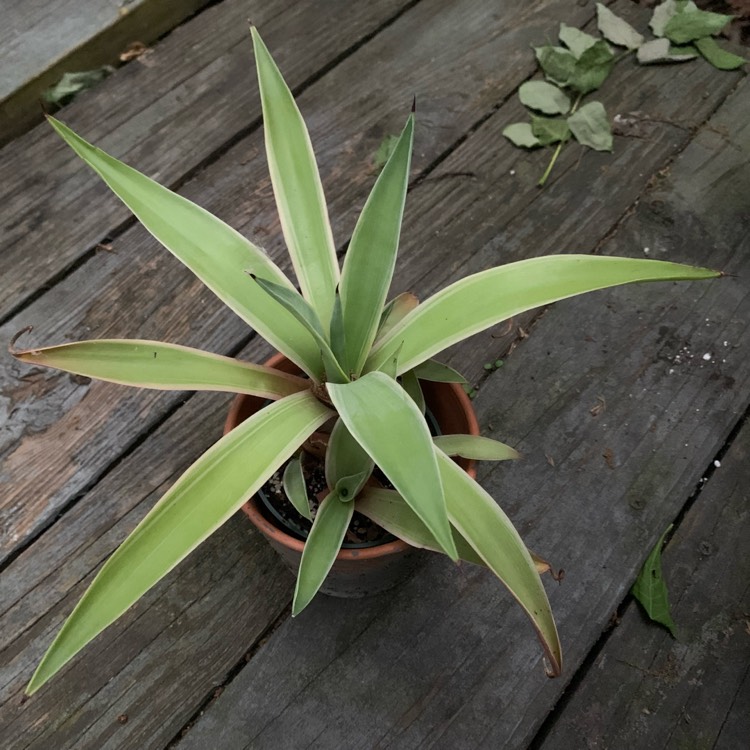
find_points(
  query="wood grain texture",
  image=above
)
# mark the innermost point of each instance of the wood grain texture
(164, 657)
(166, 113)
(646, 689)
(446, 661)
(471, 677)
(163, 301)
(41, 41)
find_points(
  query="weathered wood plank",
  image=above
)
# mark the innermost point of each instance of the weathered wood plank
(165, 656)
(45, 410)
(41, 41)
(357, 616)
(646, 689)
(165, 114)
(393, 673)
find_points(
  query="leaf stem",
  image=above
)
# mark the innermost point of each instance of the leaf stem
(552, 161)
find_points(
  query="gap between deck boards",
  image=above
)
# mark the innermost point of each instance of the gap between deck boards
(558, 711)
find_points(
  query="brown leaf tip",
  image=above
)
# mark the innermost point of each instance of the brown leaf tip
(12, 343)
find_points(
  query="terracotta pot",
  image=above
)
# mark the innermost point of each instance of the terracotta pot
(369, 570)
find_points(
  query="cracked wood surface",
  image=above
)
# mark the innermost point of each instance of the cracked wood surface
(447, 659)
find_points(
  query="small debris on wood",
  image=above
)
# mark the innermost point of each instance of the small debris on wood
(609, 457)
(133, 51)
(598, 407)
(122, 719)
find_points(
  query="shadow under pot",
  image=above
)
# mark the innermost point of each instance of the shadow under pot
(360, 569)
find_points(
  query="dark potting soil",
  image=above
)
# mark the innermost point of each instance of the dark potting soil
(362, 532)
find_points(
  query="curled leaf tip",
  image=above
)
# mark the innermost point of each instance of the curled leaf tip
(12, 343)
(551, 668)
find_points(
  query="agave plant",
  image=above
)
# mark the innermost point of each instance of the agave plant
(361, 360)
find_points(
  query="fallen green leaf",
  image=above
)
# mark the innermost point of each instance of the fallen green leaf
(664, 12)
(682, 52)
(557, 63)
(575, 40)
(717, 56)
(590, 126)
(687, 27)
(549, 129)
(661, 51)
(617, 30)
(544, 97)
(73, 83)
(519, 134)
(592, 68)
(650, 589)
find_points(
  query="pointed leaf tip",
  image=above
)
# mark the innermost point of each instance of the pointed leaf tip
(414, 104)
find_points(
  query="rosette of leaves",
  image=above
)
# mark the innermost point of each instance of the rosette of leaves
(361, 358)
(583, 62)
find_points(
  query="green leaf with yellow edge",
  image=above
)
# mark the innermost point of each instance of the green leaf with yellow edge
(437, 372)
(371, 257)
(395, 310)
(484, 299)
(212, 250)
(304, 312)
(345, 456)
(348, 487)
(475, 447)
(385, 149)
(321, 547)
(389, 510)
(295, 487)
(480, 521)
(410, 383)
(297, 187)
(650, 589)
(200, 501)
(385, 421)
(153, 364)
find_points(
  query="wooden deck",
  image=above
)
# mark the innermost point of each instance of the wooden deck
(626, 425)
